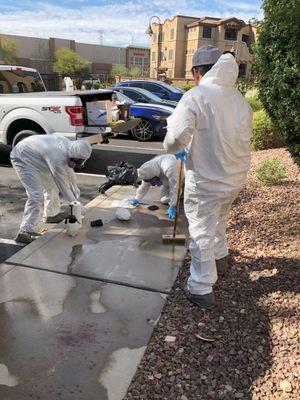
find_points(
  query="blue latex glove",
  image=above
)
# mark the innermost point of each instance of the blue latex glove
(171, 213)
(134, 201)
(181, 155)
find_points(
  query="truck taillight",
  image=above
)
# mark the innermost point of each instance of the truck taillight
(76, 115)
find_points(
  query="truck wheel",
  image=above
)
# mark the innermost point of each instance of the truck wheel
(23, 135)
(143, 131)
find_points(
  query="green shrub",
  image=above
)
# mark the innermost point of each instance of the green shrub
(241, 86)
(252, 98)
(187, 86)
(278, 72)
(265, 134)
(271, 172)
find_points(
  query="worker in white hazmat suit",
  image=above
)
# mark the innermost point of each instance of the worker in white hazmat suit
(211, 129)
(44, 164)
(160, 171)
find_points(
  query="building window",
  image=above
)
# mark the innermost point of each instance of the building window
(153, 56)
(172, 34)
(162, 56)
(230, 34)
(163, 36)
(206, 32)
(138, 61)
(170, 55)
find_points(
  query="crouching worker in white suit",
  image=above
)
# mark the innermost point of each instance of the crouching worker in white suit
(44, 164)
(160, 171)
(213, 120)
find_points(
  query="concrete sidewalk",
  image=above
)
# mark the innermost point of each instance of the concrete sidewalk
(76, 313)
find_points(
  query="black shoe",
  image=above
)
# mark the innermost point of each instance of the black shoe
(56, 219)
(205, 301)
(26, 237)
(222, 266)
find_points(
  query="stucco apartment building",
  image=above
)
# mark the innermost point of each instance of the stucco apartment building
(39, 53)
(175, 41)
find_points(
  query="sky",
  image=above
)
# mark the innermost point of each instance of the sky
(121, 22)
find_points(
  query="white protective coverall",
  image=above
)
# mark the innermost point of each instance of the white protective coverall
(41, 164)
(213, 122)
(164, 167)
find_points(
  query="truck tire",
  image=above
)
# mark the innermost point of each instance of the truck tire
(23, 135)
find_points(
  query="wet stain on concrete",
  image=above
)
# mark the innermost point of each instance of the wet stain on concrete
(71, 337)
(75, 253)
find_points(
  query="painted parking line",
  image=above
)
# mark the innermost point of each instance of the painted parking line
(135, 147)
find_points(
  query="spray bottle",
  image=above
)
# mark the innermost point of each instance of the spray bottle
(73, 225)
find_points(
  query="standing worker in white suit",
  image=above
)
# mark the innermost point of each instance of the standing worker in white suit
(211, 129)
(44, 164)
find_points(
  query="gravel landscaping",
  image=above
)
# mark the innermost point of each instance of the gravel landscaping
(248, 347)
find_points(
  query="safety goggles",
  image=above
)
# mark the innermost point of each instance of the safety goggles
(76, 163)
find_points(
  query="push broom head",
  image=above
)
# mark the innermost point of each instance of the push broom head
(171, 239)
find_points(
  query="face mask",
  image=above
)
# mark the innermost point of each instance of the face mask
(76, 163)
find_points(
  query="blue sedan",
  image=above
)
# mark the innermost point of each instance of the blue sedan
(160, 89)
(144, 96)
(153, 118)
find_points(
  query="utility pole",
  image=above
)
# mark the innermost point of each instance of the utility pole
(100, 32)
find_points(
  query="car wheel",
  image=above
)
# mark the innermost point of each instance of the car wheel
(143, 131)
(23, 135)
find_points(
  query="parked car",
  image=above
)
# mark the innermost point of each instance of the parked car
(160, 89)
(153, 118)
(26, 108)
(144, 96)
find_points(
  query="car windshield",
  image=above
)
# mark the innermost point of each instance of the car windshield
(171, 88)
(124, 99)
(148, 95)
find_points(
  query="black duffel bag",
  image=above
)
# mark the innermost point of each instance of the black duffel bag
(119, 174)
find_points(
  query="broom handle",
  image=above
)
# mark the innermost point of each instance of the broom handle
(178, 197)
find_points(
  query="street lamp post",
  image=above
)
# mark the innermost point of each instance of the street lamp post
(149, 32)
(1, 55)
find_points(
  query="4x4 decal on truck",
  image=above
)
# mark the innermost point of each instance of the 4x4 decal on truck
(54, 109)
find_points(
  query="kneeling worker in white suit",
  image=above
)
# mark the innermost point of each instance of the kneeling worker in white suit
(160, 171)
(212, 122)
(44, 164)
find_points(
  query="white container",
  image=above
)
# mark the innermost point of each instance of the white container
(73, 228)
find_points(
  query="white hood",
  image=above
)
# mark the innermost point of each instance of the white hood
(79, 149)
(224, 72)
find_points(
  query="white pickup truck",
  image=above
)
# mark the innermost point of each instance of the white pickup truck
(26, 108)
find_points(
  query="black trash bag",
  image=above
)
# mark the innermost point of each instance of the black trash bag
(119, 174)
